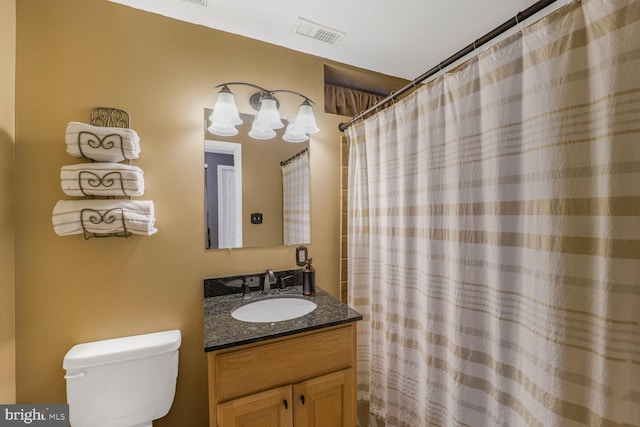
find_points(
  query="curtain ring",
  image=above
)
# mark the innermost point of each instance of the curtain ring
(521, 24)
(393, 97)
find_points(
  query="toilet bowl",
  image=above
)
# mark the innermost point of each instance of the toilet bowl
(122, 382)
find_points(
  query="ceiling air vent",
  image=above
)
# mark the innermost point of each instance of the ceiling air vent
(316, 31)
(198, 2)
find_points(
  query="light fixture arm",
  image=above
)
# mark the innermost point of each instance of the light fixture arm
(306, 99)
(265, 91)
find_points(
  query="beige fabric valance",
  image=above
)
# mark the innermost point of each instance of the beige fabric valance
(347, 101)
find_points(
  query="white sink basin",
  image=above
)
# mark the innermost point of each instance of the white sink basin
(274, 309)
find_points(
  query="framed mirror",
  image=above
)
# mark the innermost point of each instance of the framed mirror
(257, 192)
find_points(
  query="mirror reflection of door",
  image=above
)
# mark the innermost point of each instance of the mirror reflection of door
(223, 182)
(227, 215)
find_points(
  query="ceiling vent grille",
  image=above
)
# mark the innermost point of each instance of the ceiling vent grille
(316, 31)
(198, 2)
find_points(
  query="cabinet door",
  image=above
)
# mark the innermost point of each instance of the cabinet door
(271, 408)
(325, 401)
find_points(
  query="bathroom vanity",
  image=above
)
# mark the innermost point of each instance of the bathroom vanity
(297, 372)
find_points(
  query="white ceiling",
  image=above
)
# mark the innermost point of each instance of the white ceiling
(400, 38)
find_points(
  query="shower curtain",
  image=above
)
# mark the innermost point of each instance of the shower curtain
(494, 233)
(295, 200)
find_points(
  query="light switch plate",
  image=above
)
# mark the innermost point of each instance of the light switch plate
(256, 218)
(301, 255)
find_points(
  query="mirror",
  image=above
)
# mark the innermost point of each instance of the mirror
(257, 192)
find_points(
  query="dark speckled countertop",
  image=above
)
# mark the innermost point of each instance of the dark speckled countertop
(221, 330)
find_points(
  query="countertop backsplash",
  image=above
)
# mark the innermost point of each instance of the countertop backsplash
(218, 286)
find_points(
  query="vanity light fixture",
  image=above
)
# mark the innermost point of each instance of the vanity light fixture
(225, 116)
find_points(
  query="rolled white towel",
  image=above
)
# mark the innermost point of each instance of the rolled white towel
(103, 217)
(102, 144)
(102, 179)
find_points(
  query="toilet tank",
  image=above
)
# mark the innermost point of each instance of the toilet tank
(122, 382)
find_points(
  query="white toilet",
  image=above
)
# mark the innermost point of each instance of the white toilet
(122, 382)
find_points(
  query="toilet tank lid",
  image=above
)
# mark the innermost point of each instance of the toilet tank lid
(121, 349)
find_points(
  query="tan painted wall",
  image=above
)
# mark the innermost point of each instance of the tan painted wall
(7, 133)
(73, 55)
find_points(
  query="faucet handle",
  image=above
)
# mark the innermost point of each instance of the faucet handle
(282, 279)
(246, 289)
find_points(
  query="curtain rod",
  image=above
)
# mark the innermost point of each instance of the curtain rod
(530, 11)
(295, 156)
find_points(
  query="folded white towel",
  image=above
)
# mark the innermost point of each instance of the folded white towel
(103, 217)
(102, 144)
(102, 179)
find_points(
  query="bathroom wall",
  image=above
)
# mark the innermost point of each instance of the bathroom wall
(7, 132)
(73, 55)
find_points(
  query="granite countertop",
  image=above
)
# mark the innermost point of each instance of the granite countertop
(221, 330)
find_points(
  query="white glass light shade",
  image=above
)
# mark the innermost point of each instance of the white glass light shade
(268, 115)
(222, 129)
(225, 111)
(292, 134)
(305, 120)
(259, 132)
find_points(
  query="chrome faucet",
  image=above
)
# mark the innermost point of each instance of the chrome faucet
(246, 289)
(269, 279)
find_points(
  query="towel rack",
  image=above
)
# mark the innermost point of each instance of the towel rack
(109, 117)
(105, 117)
(108, 180)
(109, 142)
(106, 185)
(109, 217)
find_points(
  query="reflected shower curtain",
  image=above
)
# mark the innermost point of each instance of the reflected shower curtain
(295, 200)
(494, 233)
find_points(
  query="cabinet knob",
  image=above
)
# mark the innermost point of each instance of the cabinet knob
(285, 403)
(302, 398)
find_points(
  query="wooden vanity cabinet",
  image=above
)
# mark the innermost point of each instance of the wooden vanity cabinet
(324, 401)
(265, 409)
(304, 380)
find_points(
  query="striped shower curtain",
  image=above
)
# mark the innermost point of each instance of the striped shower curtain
(494, 233)
(296, 200)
